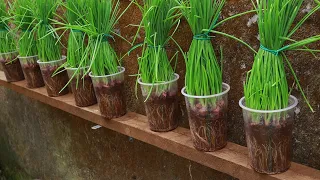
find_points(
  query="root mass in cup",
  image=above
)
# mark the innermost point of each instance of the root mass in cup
(33, 75)
(55, 84)
(12, 69)
(270, 146)
(111, 99)
(162, 112)
(208, 126)
(83, 91)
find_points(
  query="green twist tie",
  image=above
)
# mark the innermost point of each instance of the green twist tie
(205, 36)
(26, 30)
(274, 52)
(155, 47)
(105, 37)
(76, 30)
(44, 23)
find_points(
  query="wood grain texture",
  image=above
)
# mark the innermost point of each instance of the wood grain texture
(232, 160)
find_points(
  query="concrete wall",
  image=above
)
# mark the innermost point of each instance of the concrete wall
(48, 143)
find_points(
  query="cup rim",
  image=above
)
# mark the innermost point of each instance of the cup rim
(15, 51)
(72, 69)
(25, 57)
(293, 105)
(224, 85)
(119, 67)
(63, 58)
(162, 83)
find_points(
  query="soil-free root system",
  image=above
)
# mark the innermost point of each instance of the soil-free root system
(12, 69)
(83, 91)
(55, 84)
(208, 125)
(270, 146)
(32, 74)
(111, 99)
(162, 112)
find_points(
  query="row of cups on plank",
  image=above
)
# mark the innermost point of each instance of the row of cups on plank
(268, 133)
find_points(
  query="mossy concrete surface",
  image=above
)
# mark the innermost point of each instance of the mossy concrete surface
(51, 144)
(48, 143)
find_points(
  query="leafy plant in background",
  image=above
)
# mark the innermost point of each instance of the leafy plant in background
(48, 47)
(24, 21)
(7, 39)
(266, 87)
(159, 16)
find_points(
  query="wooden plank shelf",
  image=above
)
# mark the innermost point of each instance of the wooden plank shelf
(232, 160)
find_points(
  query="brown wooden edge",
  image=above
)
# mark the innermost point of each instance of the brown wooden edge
(232, 160)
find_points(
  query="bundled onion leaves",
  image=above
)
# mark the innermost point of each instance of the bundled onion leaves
(24, 21)
(203, 72)
(158, 19)
(101, 19)
(48, 45)
(266, 87)
(7, 41)
(76, 11)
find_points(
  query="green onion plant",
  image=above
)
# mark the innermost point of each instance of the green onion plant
(47, 45)
(77, 57)
(203, 70)
(76, 11)
(266, 87)
(159, 17)
(102, 18)
(98, 24)
(24, 22)
(7, 38)
(91, 21)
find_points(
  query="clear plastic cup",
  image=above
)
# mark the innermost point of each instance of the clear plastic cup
(11, 66)
(110, 93)
(82, 87)
(269, 137)
(208, 119)
(161, 104)
(31, 71)
(55, 83)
